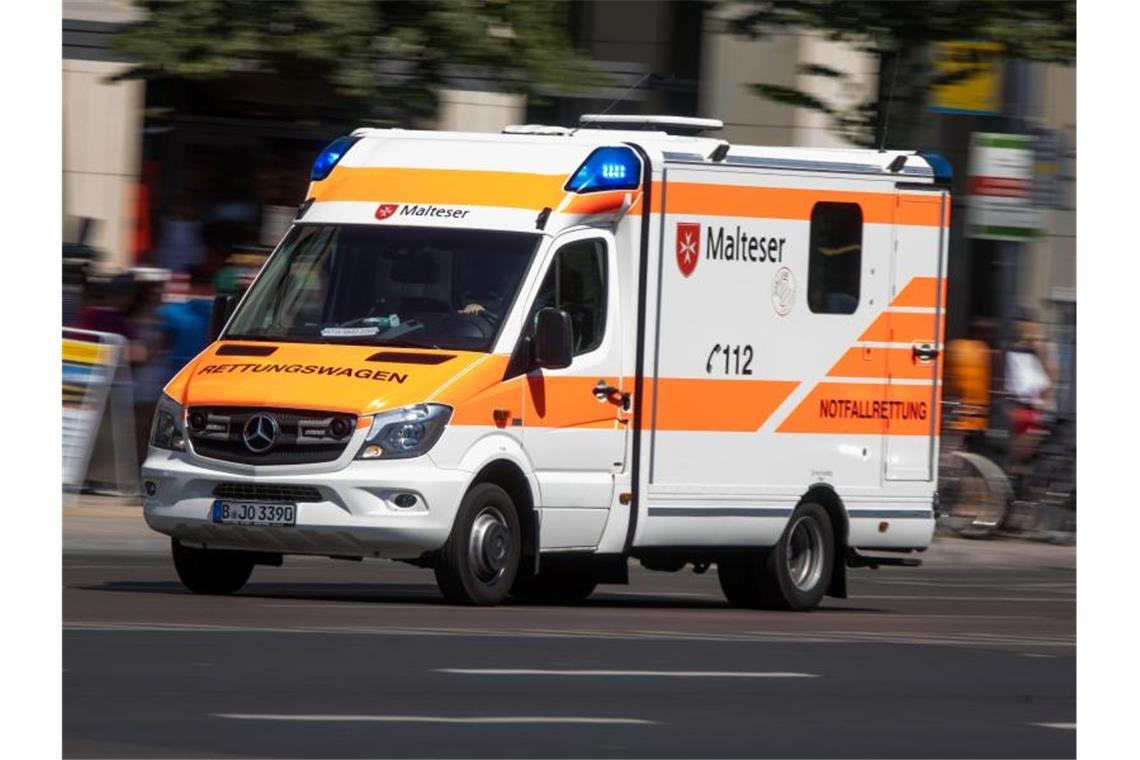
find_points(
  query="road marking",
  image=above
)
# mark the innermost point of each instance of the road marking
(631, 673)
(481, 719)
(1063, 726)
(748, 637)
(933, 598)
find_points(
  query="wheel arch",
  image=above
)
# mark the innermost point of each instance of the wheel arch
(507, 474)
(825, 496)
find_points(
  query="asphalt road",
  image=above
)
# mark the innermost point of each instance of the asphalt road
(961, 658)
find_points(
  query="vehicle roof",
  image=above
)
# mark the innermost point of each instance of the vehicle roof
(543, 149)
(516, 180)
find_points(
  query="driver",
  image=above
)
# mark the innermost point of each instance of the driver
(483, 300)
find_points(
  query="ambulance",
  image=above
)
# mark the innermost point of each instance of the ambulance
(525, 360)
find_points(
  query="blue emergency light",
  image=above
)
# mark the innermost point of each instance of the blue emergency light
(607, 169)
(330, 156)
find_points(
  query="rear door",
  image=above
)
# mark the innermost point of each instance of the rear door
(915, 322)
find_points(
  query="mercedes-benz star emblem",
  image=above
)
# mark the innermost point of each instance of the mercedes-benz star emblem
(260, 433)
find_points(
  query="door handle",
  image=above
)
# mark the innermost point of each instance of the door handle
(603, 391)
(924, 352)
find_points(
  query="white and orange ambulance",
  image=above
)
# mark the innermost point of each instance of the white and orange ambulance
(523, 359)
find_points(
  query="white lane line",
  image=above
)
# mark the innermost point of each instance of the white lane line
(1063, 726)
(622, 673)
(748, 637)
(934, 598)
(481, 719)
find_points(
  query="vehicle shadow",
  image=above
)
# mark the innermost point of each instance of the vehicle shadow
(427, 595)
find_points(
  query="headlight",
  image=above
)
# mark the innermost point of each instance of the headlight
(166, 430)
(406, 432)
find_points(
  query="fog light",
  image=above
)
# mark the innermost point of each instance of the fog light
(371, 452)
(405, 500)
(150, 487)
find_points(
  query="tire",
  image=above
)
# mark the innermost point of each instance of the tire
(738, 577)
(480, 561)
(793, 574)
(553, 588)
(210, 571)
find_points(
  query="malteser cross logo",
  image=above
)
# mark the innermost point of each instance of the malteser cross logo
(688, 246)
(385, 210)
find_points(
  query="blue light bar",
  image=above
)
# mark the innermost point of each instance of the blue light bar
(607, 169)
(330, 156)
(943, 171)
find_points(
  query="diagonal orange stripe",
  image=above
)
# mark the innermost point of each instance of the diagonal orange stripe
(863, 409)
(900, 327)
(920, 291)
(881, 362)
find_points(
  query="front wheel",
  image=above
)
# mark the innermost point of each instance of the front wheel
(793, 574)
(553, 587)
(210, 571)
(480, 560)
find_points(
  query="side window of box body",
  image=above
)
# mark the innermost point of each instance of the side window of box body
(835, 258)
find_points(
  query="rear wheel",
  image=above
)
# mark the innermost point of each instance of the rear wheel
(793, 574)
(480, 560)
(210, 571)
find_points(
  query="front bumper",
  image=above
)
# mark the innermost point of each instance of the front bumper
(356, 516)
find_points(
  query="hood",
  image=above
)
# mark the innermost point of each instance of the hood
(353, 379)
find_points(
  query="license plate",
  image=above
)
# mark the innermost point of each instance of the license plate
(253, 513)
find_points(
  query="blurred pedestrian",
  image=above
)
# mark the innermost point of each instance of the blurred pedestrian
(968, 370)
(1029, 385)
(105, 305)
(181, 246)
(185, 325)
(149, 365)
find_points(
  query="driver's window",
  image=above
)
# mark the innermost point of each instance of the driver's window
(576, 283)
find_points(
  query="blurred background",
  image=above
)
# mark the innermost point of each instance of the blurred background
(190, 127)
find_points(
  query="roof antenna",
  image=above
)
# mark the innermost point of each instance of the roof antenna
(890, 102)
(616, 100)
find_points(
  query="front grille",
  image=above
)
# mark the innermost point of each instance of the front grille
(303, 436)
(266, 492)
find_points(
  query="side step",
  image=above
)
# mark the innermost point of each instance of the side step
(857, 559)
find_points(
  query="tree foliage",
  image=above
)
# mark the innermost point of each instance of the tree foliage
(383, 60)
(900, 33)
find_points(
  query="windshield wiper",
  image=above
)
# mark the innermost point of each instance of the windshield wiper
(239, 336)
(401, 343)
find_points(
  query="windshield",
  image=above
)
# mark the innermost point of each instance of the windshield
(394, 286)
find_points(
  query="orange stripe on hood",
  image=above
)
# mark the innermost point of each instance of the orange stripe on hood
(314, 376)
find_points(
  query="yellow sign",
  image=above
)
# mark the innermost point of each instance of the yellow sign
(970, 76)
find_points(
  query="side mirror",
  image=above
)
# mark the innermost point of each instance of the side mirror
(223, 308)
(553, 344)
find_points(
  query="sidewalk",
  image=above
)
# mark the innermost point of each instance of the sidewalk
(98, 524)
(107, 524)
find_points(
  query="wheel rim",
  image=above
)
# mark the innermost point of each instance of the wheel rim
(490, 548)
(805, 553)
